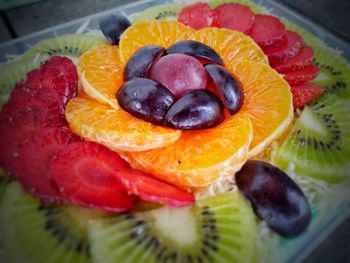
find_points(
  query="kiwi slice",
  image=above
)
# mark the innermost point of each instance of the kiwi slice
(35, 232)
(165, 12)
(319, 142)
(334, 72)
(14, 72)
(219, 228)
(254, 7)
(71, 45)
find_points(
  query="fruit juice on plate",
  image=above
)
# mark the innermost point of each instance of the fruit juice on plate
(213, 138)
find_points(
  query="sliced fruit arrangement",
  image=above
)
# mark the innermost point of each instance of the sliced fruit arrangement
(216, 229)
(216, 86)
(194, 106)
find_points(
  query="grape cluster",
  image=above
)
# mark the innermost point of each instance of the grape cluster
(185, 86)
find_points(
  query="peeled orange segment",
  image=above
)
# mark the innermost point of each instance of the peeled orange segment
(199, 157)
(232, 46)
(101, 73)
(116, 129)
(151, 32)
(268, 102)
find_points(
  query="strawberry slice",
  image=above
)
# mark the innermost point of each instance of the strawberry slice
(303, 75)
(36, 150)
(86, 176)
(152, 189)
(33, 128)
(267, 30)
(298, 62)
(305, 93)
(235, 16)
(198, 16)
(292, 46)
(90, 174)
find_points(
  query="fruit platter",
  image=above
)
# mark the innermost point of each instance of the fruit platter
(174, 131)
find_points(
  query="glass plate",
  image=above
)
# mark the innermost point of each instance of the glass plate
(339, 204)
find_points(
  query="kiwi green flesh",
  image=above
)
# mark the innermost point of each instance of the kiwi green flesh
(164, 12)
(319, 143)
(254, 7)
(216, 229)
(334, 72)
(5, 180)
(71, 45)
(34, 232)
(15, 72)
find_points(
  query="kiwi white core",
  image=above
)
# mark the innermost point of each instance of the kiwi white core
(178, 226)
(311, 122)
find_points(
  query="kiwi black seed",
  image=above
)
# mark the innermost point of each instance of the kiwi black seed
(334, 72)
(217, 229)
(164, 12)
(34, 232)
(71, 45)
(319, 143)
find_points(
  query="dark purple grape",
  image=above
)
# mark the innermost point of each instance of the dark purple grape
(199, 109)
(179, 73)
(145, 99)
(275, 197)
(141, 61)
(228, 86)
(197, 49)
(113, 26)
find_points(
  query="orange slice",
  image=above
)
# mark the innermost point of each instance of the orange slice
(151, 32)
(116, 129)
(232, 46)
(198, 158)
(268, 102)
(101, 73)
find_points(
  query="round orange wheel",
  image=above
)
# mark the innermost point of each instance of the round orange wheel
(116, 129)
(200, 157)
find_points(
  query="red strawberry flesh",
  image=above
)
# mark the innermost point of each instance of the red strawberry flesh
(33, 128)
(199, 16)
(292, 46)
(152, 189)
(86, 176)
(303, 75)
(297, 62)
(305, 93)
(235, 16)
(267, 30)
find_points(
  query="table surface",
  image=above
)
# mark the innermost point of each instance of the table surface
(333, 15)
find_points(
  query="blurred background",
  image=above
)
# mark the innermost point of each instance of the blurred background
(22, 17)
